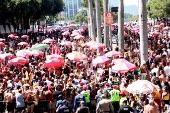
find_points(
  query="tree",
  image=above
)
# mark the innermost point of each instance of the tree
(143, 31)
(81, 17)
(158, 8)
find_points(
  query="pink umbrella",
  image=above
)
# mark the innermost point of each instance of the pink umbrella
(97, 46)
(157, 26)
(11, 36)
(100, 60)
(36, 53)
(18, 60)
(48, 41)
(6, 55)
(75, 34)
(123, 67)
(78, 37)
(53, 63)
(24, 36)
(117, 61)
(112, 53)
(76, 56)
(91, 43)
(1, 39)
(16, 37)
(66, 33)
(66, 43)
(155, 33)
(2, 44)
(126, 35)
(55, 56)
(166, 28)
(22, 44)
(23, 53)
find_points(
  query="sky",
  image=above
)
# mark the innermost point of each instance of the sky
(126, 2)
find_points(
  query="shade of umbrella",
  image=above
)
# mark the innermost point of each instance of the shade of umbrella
(97, 46)
(75, 34)
(23, 53)
(6, 55)
(78, 37)
(76, 56)
(48, 41)
(66, 43)
(18, 60)
(22, 44)
(16, 37)
(166, 28)
(155, 33)
(2, 44)
(36, 53)
(123, 67)
(39, 47)
(141, 86)
(157, 26)
(100, 60)
(116, 61)
(24, 36)
(53, 63)
(55, 56)
(113, 53)
(11, 36)
(90, 43)
(66, 33)
(1, 39)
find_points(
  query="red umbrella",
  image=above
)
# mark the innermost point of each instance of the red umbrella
(112, 53)
(76, 56)
(55, 56)
(2, 44)
(66, 43)
(48, 41)
(6, 55)
(78, 37)
(37, 53)
(1, 39)
(22, 44)
(66, 33)
(123, 67)
(11, 36)
(96, 46)
(100, 60)
(53, 63)
(24, 36)
(18, 60)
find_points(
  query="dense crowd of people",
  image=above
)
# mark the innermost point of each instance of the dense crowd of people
(80, 86)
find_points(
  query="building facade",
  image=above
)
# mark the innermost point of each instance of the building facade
(72, 7)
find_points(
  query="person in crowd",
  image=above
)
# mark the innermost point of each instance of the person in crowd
(125, 108)
(82, 108)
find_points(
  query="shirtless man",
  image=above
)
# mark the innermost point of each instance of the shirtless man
(8, 98)
(152, 107)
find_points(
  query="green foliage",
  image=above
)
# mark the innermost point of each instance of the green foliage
(158, 8)
(81, 17)
(11, 11)
(133, 18)
(85, 4)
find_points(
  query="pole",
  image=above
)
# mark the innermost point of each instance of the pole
(98, 21)
(121, 24)
(106, 27)
(93, 37)
(143, 31)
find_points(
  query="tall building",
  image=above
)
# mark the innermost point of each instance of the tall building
(72, 7)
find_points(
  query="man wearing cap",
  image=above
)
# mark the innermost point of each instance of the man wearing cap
(125, 108)
(86, 94)
(115, 97)
(104, 106)
(123, 97)
(82, 108)
(63, 108)
(78, 98)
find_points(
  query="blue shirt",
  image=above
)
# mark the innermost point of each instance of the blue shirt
(77, 101)
(59, 102)
(19, 100)
(64, 109)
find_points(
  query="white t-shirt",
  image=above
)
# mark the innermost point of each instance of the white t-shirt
(155, 70)
(167, 70)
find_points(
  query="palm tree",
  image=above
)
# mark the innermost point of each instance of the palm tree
(121, 24)
(143, 31)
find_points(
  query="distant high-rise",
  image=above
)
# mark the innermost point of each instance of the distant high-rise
(72, 7)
